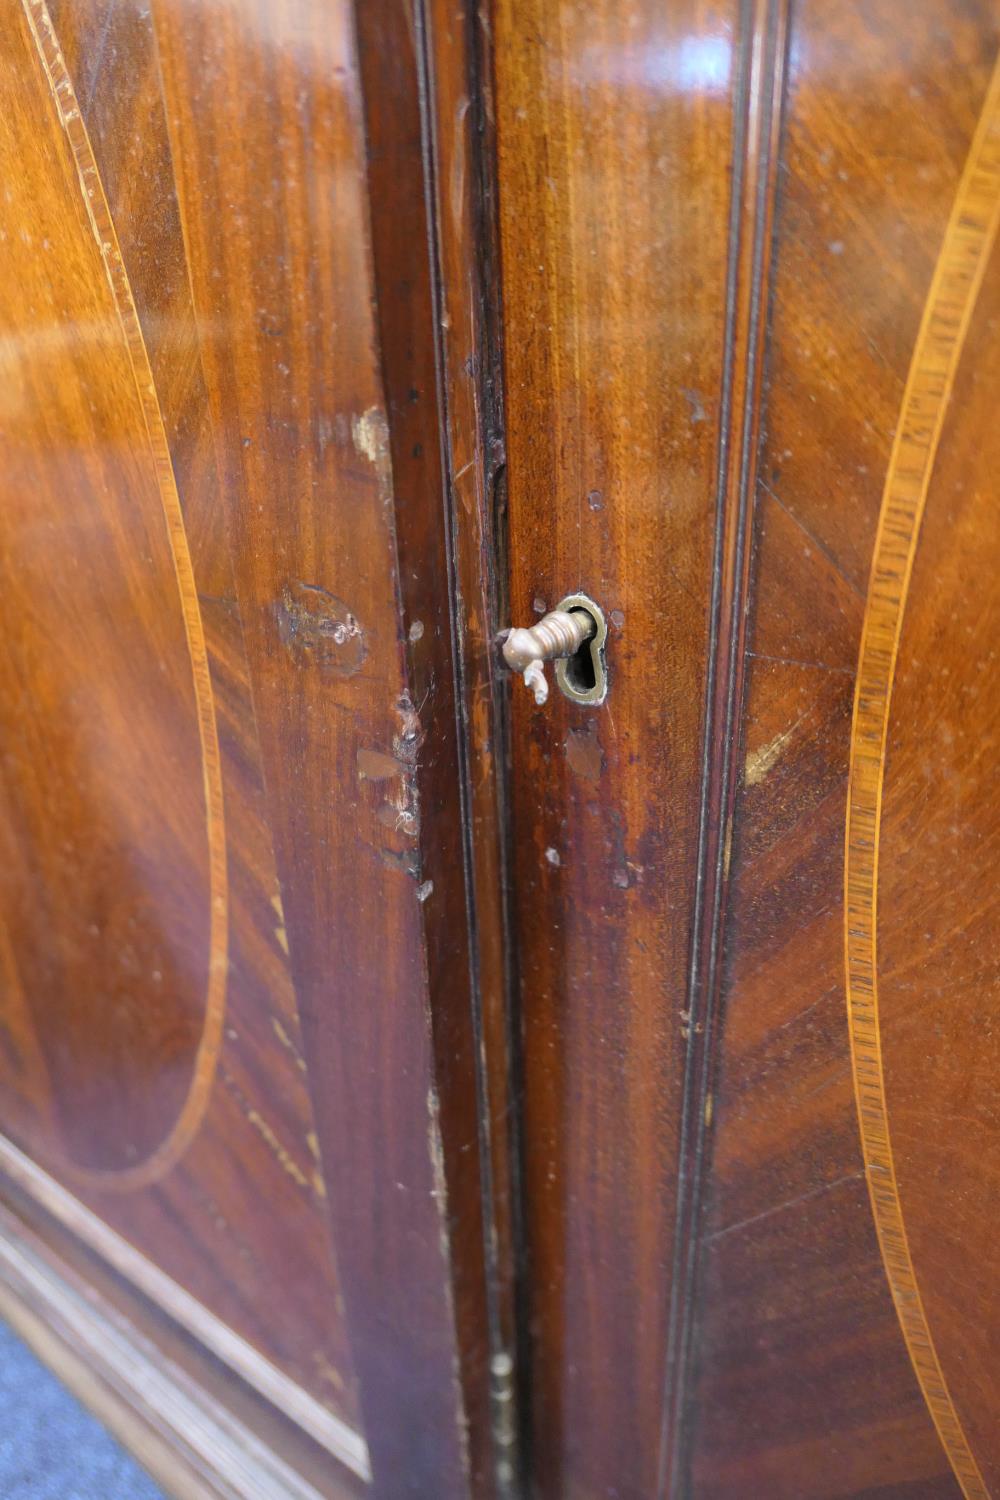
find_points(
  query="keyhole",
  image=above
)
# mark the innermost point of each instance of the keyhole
(583, 677)
(580, 673)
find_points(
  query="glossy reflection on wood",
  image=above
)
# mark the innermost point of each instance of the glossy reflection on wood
(613, 194)
(202, 1115)
(365, 1025)
(190, 321)
(114, 969)
(938, 932)
(800, 1379)
(805, 1385)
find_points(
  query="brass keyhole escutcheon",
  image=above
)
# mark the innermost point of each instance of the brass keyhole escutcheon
(583, 677)
(573, 635)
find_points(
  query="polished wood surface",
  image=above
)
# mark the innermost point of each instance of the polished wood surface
(614, 134)
(123, 930)
(241, 1050)
(132, 752)
(460, 74)
(811, 1382)
(419, 1090)
(937, 880)
(713, 1303)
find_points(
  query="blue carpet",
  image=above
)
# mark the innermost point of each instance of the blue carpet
(51, 1448)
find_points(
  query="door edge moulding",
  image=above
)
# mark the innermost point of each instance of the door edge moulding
(335, 1435)
(759, 66)
(965, 251)
(180, 1433)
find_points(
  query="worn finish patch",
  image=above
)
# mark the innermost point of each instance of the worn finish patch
(376, 765)
(584, 754)
(319, 628)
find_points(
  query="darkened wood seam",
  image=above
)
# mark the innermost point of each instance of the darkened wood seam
(467, 1431)
(497, 569)
(498, 1344)
(496, 566)
(412, 132)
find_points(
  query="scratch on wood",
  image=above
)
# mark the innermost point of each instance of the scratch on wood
(410, 737)
(282, 1155)
(407, 861)
(457, 194)
(779, 1208)
(399, 811)
(439, 1192)
(760, 762)
(318, 1180)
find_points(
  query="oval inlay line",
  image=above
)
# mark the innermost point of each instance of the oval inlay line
(98, 213)
(965, 251)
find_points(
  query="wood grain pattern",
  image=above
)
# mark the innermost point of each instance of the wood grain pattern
(256, 1137)
(757, 103)
(231, 154)
(406, 75)
(936, 933)
(334, 338)
(615, 138)
(95, 205)
(330, 1431)
(803, 1385)
(968, 244)
(70, 963)
(461, 148)
(333, 489)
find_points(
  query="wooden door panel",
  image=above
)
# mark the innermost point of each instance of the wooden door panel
(173, 1096)
(614, 132)
(936, 944)
(393, 1068)
(713, 1304)
(809, 1383)
(93, 527)
(224, 1072)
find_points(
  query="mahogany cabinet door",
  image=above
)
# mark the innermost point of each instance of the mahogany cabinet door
(409, 1088)
(245, 988)
(751, 330)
